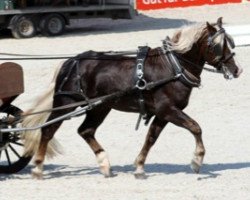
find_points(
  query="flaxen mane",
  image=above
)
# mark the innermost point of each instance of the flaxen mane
(184, 38)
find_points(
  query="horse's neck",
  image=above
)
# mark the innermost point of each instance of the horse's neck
(196, 61)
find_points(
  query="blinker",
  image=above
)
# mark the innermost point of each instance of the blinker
(217, 46)
(230, 41)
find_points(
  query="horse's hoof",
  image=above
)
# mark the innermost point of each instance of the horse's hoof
(140, 175)
(107, 172)
(195, 166)
(37, 175)
(110, 174)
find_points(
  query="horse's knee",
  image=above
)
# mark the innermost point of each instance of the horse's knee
(197, 131)
(195, 128)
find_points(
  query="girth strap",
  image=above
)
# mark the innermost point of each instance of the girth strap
(140, 81)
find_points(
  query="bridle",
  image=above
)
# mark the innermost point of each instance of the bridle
(217, 48)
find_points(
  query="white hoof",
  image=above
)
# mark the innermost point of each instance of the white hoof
(103, 161)
(38, 175)
(195, 166)
(107, 172)
(140, 173)
(37, 172)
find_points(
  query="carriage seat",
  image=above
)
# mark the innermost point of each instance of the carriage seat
(11, 80)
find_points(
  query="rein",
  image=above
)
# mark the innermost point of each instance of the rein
(198, 66)
(61, 56)
(103, 99)
(141, 84)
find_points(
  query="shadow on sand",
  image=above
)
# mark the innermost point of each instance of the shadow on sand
(140, 23)
(57, 171)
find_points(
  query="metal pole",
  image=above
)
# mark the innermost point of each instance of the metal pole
(71, 114)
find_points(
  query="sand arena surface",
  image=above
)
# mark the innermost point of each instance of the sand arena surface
(221, 108)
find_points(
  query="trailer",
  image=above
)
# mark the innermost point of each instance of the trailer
(27, 18)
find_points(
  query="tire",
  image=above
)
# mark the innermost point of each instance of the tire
(52, 25)
(11, 147)
(22, 27)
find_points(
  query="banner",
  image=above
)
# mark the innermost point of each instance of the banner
(159, 4)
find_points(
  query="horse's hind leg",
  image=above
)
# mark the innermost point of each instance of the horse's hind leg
(154, 131)
(47, 134)
(87, 132)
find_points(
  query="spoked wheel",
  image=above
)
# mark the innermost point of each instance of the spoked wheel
(11, 145)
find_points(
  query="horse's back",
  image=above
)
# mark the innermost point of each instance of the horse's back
(100, 73)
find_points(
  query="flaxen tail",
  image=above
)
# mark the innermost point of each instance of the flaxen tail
(32, 139)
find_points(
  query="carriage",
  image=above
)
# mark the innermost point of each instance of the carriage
(12, 159)
(154, 82)
(12, 85)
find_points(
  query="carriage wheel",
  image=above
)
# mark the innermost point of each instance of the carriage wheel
(23, 27)
(11, 146)
(52, 25)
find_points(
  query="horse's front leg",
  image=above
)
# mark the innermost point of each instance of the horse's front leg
(154, 131)
(181, 119)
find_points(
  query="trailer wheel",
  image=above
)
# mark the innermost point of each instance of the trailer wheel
(23, 27)
(52, 25)
(11, 146)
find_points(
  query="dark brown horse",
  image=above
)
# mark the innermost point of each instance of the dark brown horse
(178, 64)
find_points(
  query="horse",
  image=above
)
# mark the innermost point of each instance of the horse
(96, 74)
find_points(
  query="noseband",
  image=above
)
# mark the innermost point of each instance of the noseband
(217, 48)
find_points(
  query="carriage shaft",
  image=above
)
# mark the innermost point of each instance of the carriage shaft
(74, 113)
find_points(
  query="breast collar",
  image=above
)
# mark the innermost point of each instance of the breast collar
(185, 77)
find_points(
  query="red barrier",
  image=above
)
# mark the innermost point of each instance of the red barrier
(158, 4)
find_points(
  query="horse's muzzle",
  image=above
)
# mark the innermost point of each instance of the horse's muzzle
(238, 72)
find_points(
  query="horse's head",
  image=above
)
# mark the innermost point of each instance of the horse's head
(217, 50)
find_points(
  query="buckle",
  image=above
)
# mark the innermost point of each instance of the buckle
(141, 84)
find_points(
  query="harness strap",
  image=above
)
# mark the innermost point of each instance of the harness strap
(78, 94)
(103, 99)
(211, 38)
(228, 58)
(140, 81)
(171, 57)
(185, 77)
(140, 60)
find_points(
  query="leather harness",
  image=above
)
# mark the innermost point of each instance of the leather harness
(179, 72)
(140, 83)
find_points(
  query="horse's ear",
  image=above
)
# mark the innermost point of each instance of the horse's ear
(176, 37)
(210, 28)
(219, 22)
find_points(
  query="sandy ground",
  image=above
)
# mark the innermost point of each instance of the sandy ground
(221, 108)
